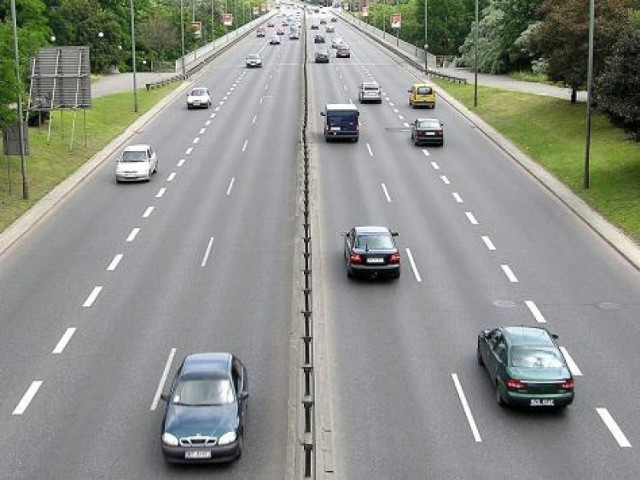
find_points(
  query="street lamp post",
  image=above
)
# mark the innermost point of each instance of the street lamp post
(184, 72)
(426, 41)
(398, 29)
(585, 182)
(475, 63)
(23, 162)
(133, 58)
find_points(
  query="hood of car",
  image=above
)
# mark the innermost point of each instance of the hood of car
(209, 421)
(137, 167)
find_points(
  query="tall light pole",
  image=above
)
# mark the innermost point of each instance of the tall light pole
(398, 29)
(133, 58)
(23, 162)
(475, 63)
(184, 71)
(213, 23)
(426, 41)
(585, 182)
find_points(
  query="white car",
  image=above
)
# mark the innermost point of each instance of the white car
(275, 40)
(137, 162)
(199, 97)
(335, 42)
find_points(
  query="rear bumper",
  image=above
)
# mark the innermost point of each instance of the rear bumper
(524, 399)
(429, 140)
(382, 270)
(340, 134)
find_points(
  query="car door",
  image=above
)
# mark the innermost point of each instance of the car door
(348, 244)
(499, 352)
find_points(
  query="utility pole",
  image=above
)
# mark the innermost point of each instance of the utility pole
(23, 161)
(426, 41)
(133, 58)
(184, 71)
(585, 182)
(475, 62)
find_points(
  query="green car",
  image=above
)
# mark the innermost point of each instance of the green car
(526, 367)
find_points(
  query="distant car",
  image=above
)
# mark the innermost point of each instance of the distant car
(330, 29)
(261, 32)
(371, 251)
(334, 19)
(314, 26)
(275, 40)
(294, 35)
(318, 38)
(526, 367)
(369, 92)
(285, 23)
(323, 21)
(205, 416)
(270, 24)
(199, 97)
(136, 162)
(335, 42)
(428, 131)
(280, 31)
(253, 60)
(343, 51)
(322, 56)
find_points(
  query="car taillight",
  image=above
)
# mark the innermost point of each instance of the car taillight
(439, 133)
(394, 258)
(513, 384)
(568, 384)
(355, 258)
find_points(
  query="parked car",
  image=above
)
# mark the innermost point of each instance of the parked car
(205, 416)
(136, 162)
(371, 251)
(427, 131)
(369, 92)
(199, 97)
(253, 60)
(322, 56)
(318, 38)
(526, 367)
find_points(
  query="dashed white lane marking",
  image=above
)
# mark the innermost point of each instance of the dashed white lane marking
(435, 165)
(221, 102)
(171, 176)
(147, 212)
(114, 263)
(202, 130)
(213, 115)
(244, 147)
(406, 124)
(489, 244)
(456, 196)
(613, 428)
(370, 151)
(391, 104)
(217, 109)
(386, 192)
(445, 179)
(471, 218)
(161, 192)
(535, 311)
(226, 96)
(207, 123)
(207, 253)
(413, 265)
(255, 117)
(60, 346)
(181, 162)
(188, 151)
(573, 366)
(231, 185)
(132, 236)
(266, 87)
(509, 273)
(395, 110)
(196, 140)
(426, 152)
(27, 397)
(92, 296)
(465, 407)
(401, 117)
(344, 87)
(163, 379)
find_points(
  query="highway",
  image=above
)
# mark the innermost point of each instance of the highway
(121, 281)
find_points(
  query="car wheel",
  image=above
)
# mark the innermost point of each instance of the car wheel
(188, 107)
(349, 272)
(499, 398)
(479, 357)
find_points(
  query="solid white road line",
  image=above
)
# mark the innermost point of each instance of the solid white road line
(188, 151)
(64, 341)
(134, 233)
(457, 197)
(27, 397)
(163, 379)
(147, 212)
(535, 311)
(426, 152)
(207, 252)
(471, 218)
(255, 117)
(509, 273)
(573, 366)
(92, 296)
(181, 162)
(386, 192)
(435, 165)
(489, 244)
(370, 151)
(613, 427)
(445, 179)
(161, 192)
(114, 263)
(465, 407)
(171, 176)
(231, 185)
(196, 140)
(202, 130)
(244, 147)
(413, 265)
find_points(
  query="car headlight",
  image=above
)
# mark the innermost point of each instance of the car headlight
(227, 438)
(170, 440)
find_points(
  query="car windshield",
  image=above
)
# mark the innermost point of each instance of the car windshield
(423, 90)
(428, 124)
(253, 56)
(536, 357)
(374, 242)
(204, 391)
(198, 92)
(134, 156)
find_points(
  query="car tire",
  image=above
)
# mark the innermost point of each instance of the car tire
(499, 398)
(349, 272)
(188, 107)
(479, 357)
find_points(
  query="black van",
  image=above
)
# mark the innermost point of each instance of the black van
(341, 121)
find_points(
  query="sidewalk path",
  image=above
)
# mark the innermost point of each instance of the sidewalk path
(122, 82)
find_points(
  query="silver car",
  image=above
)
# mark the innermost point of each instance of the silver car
(137, 162)
(199, 97)
(253, 60)
(369, 92)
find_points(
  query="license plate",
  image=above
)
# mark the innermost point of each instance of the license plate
(375, 260)
(545, 402)
(335, 129)
(198, 454)
(431, 133)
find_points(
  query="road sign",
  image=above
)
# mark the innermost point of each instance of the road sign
(395, 20)
(227, 19)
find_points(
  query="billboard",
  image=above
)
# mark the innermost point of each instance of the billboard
(227, 19)
(396, 20)
(365, 11)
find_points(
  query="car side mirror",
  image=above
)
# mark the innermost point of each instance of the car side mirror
(555, 337)
(408, 91)
(244, 394)
(394, 234)
(164, 397)
(322, 113)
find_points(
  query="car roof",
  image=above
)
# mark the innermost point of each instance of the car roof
(422, 85)
(528, 336)
(342, 106)
(216, 363)
(428, 120)
(370, 84)
(136, 148)
(370, 229)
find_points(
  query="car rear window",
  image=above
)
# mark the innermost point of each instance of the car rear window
(428, 124)
(424, 90)
(371, 87)
(536, 357)
(374, 242)
(198, 92)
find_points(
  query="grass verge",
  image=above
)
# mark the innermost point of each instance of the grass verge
(552, 132)
(49, 164)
